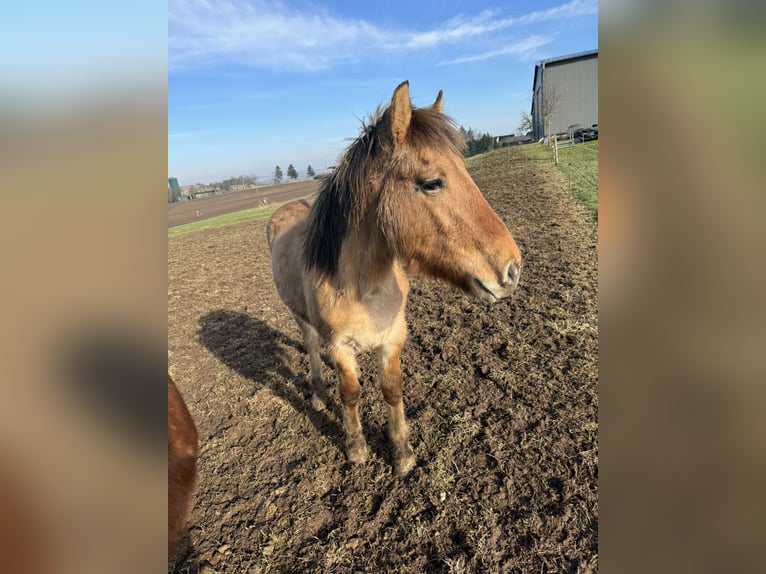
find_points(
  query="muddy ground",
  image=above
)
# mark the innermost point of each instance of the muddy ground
(501, 400)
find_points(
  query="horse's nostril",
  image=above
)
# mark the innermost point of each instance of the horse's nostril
(514, 270)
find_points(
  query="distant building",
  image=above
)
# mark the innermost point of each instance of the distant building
(512, 139)
(574, 80)
(199, 190)
(174, 190)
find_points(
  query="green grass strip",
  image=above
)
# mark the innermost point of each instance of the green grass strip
(579, 164)
(252, 214)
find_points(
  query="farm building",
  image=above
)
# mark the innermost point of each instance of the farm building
(512, 139)
(568, 86)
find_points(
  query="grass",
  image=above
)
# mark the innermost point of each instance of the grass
(471, 162)
(579, 164)
(253, 214)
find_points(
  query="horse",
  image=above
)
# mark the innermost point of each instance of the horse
(400, 202)
(182, 465)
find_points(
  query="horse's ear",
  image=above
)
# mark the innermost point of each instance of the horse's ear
(438, 104)
(401, 112)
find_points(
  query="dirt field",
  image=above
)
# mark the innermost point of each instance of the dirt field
(502, 402)
(186, 211)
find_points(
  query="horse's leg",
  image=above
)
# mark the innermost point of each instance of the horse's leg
(391, 385)
(344, 359)
(319, 389)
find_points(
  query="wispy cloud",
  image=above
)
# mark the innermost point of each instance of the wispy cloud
(259, 34)
(487, 22)
(452, 31)
(268, 35)
(566, 11)
(525, 47)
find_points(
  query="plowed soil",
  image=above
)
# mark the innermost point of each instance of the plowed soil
(206, 207)
(501, 400)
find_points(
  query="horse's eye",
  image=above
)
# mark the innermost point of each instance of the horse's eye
(431, 185)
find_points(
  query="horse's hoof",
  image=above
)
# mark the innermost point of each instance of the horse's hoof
(405, 462)
(316, 403)
(357, 451)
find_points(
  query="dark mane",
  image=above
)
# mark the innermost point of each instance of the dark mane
(346, 196)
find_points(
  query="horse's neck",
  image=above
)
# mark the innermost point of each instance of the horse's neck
(367, 265)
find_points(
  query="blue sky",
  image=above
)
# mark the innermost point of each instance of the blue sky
(253, 84)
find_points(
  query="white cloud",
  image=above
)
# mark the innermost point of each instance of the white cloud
(525, 47)
(462, 27)
(452, 31)
(566, 11)
(268, 35)
(259, 35)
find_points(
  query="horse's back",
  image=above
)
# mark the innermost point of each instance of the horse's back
(287, 217)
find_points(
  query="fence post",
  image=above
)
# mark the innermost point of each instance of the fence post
(556, 149)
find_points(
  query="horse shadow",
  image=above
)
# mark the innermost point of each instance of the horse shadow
(257, 351)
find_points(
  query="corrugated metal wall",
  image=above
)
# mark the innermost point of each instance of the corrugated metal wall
(577, 85)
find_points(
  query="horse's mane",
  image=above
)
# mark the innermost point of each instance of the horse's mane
(346, 195)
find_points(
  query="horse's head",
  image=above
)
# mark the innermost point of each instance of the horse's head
(432, 213)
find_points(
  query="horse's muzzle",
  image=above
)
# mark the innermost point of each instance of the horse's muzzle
(493, 290)
(512, 275)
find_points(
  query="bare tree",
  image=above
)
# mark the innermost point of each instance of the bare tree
(549, 105)
(525, 123)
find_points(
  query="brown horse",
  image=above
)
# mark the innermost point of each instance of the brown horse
(182, 465)
(401, 199)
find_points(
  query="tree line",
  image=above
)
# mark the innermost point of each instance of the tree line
(249, 181)
(235, 182)
(292, 173)
(476, 142)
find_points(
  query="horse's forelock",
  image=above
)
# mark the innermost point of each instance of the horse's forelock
(345, 196)
(433, 129)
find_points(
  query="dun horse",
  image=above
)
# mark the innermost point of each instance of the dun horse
(400, 201)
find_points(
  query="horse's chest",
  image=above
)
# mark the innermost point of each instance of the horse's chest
(373, 321)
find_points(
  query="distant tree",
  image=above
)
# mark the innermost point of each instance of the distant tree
(291, 173)
(470, 147)
(476, 143)
(278, 175)
(525, 123)
(549, 105)
(467, 136)
(485, 143)
(310, 171)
